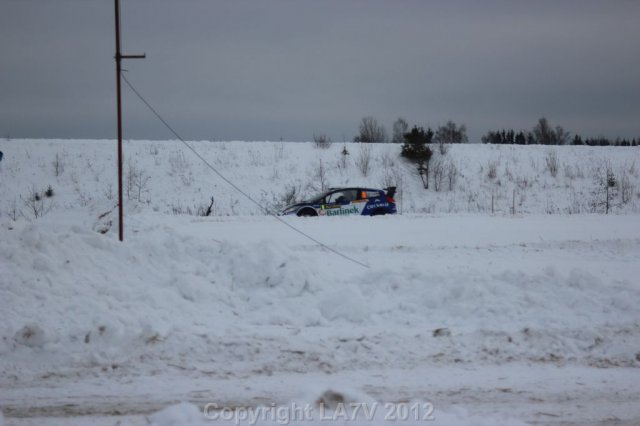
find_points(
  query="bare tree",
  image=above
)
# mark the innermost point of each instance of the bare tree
(58, 165)
(136, 183)
(438, 174)
(321, 175)
(606, 188)
(400, 127)
(13, 211)
(562, 136)
(322, 141)
(452, 175)
(363, 162)
(544, 134)
(371, 131)
(451, 133)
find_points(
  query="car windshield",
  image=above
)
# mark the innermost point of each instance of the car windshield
(318, 198)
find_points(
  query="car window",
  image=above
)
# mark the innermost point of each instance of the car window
(319, 198)
(351, 194)
(342, 197)
(372, 194)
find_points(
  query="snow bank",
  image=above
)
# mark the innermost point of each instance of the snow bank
(242, 296)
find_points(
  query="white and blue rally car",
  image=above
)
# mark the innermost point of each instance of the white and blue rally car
(347, 201)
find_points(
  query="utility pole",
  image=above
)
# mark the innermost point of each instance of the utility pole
(119, 58)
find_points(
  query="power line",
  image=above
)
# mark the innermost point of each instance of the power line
(233, 185)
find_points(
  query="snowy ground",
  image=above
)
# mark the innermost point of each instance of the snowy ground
(541, 314)
(487, 319)
(164, 177)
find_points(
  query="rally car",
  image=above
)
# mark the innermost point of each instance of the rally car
(346, 202)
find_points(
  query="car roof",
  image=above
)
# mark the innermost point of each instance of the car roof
(363, 188)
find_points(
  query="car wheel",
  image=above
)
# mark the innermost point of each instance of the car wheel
(307, 213)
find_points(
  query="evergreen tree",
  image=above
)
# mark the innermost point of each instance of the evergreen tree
(416, 150)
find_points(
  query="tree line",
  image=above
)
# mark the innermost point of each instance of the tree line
(543, 133)
(371, 131)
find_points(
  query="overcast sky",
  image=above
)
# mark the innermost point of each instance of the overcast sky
(272, 69)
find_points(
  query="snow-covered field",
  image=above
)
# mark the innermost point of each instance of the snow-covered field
(165, 177)
(461, 315)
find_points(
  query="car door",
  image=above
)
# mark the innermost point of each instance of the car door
(341, 203)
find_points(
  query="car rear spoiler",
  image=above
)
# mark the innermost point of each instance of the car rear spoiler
(391, 191)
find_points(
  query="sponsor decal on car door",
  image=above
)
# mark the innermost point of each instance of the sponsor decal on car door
(354, 208)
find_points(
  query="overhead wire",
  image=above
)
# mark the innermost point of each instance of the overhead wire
(233, 185)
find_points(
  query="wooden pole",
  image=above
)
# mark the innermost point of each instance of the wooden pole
(119, 58)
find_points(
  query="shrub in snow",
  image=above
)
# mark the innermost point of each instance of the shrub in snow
(12, 211)
(202, 209)
(179, 164)
(492, 170)
(452, 174)
(35, 205)
(393, 176)
(343, 162)
(363, 162)
(321, 141)
(441, 332)
(438, 173)
(290, 196)
(551, 160)
(626, 188)
(321, 176)
(104, 222)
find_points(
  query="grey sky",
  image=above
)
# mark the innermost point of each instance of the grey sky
(271, 69)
